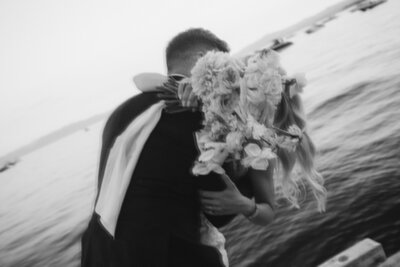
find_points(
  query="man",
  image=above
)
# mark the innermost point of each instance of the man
(159, 221)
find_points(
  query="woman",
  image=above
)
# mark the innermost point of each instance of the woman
(260, 184)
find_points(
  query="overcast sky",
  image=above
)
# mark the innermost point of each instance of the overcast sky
(75, 49)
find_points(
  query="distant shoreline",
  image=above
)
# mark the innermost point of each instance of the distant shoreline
(50, 138)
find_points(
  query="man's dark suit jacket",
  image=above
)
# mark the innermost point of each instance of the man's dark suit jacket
(159, 220)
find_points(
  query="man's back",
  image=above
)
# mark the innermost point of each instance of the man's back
(160, 214)
(162, 186)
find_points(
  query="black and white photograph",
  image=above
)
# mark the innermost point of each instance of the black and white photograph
(187, 133)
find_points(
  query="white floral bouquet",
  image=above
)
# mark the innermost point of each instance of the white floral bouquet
(239, 101)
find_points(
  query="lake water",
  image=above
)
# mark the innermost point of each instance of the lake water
(353, 106)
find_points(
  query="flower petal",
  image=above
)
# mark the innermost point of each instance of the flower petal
(260, 164)
(268, 154)
(252, 150)
(207, 155)
(246, 161)
(216, 168)
(200, 168)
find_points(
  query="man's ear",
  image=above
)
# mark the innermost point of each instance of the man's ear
(200, 54)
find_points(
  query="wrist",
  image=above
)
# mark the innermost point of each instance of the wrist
(249, 206)
(254, 214)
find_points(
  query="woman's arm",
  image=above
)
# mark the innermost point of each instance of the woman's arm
(264, 195)
(231, 201)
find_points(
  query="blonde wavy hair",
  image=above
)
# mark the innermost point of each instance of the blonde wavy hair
(290, 111)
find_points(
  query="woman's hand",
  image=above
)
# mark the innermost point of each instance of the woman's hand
(231, 201)
(186, 95)
(228, 201)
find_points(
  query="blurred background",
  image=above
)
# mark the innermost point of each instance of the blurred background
(66, 64)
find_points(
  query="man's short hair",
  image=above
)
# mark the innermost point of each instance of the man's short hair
(190, 39)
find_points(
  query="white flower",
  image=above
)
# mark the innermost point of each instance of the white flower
(257, 158)
(203, 138)
(234, 123)
(295, 130)
(271, 85)
(224, 105)
(234, 141)
(287, 143)
(263, 60)
(262, 79)
(253, 94)
(204, 168)
(216, 73)
(217, 128)
(211, 158)
(228, 78)
(204, 73)
(258, 130)
(215, 151)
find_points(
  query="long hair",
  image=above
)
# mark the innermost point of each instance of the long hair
(290, 112)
